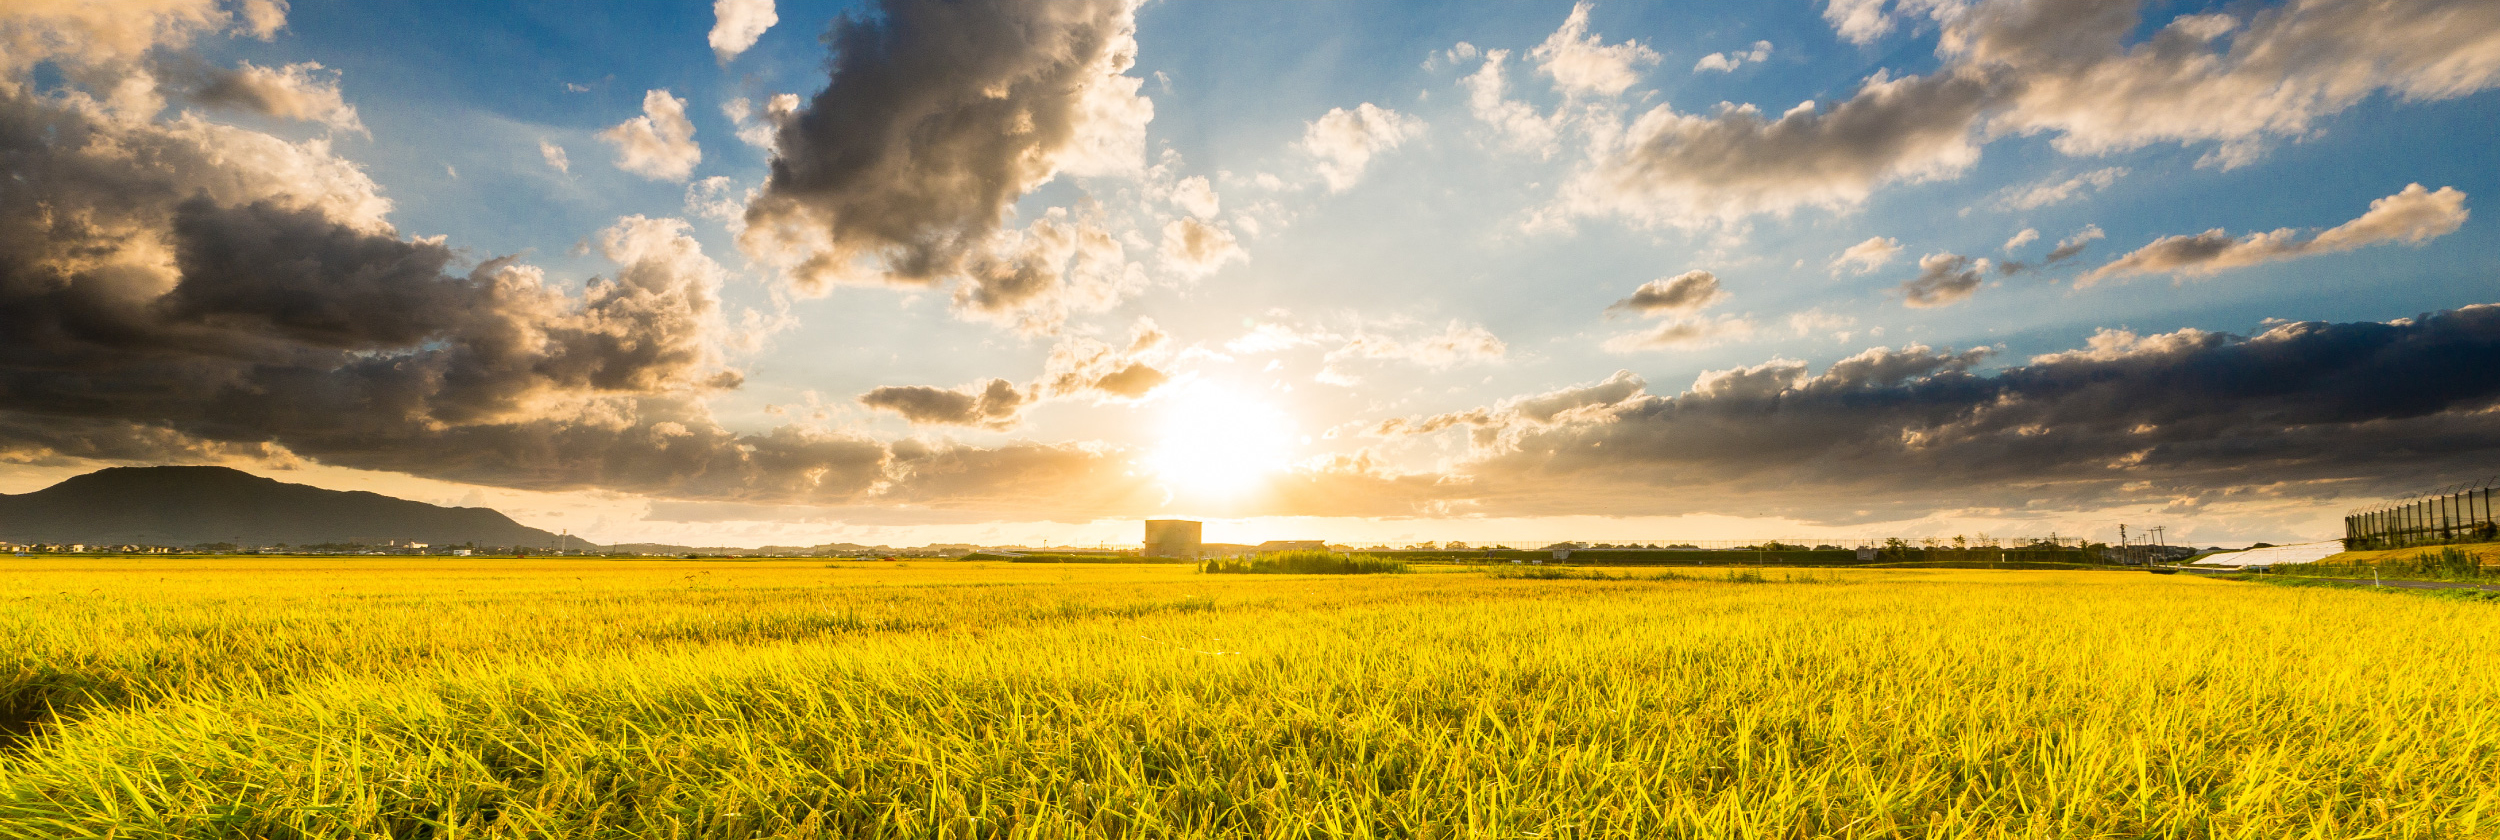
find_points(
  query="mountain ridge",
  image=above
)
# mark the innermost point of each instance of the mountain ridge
(191, 505)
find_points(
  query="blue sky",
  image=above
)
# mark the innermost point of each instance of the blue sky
(1413, 295)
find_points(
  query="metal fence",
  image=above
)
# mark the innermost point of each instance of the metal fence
(2460, 512)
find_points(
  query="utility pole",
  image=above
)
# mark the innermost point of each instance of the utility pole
(2122, 544)
(2157, 541)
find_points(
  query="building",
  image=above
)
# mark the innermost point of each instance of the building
(1292, 545)
(1173, 538)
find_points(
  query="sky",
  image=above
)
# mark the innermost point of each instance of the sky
(766, 272)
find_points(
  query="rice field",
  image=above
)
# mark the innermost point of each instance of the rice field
(404, 698)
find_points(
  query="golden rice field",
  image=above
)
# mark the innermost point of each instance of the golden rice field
(399, 698)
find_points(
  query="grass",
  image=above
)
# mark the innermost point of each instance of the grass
(1303, 563)
(397, 698)
(2461, 563)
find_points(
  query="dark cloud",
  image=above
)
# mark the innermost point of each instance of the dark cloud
(996, 404)
(938, 117)
(2302, 410)
(1943, 280)
(1690, 291)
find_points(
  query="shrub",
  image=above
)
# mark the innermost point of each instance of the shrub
(1304, 563)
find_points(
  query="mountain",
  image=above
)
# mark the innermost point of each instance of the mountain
(182, 506)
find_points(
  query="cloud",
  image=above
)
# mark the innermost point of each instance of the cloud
(658, 145)
(1198, 248)
(1683, 334)
(301, 91)
(737, 24)
(2028, 236)
(1196, 196)
(1084, 366)
(1061, 263)
(2078, 72)
(760, 133)
(1688, 292)
(2068, 247)
(1582, 63)
(1458, 344)
(2302, 411)
(1689, 170)
(2053, 191)
(2217, 78)
(1518, 127)
(995, 404)
(228, 294)
(1943, 280)
(1344, 141)
(1727, 62)
(2413, 216)
(938, 117)
(1867, 256)
(555, 155)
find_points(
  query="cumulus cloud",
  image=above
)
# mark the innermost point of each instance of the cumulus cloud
(2054, 191)
(301, 91)
(658, 145)
(1580, 62)
(1865, 257)
(2026, 237)
(554, 155)
(1687, 292)
(736, 24)
(760, 130)
(1678, 299)
(2300, 411)
(2078, 72)
(1943, 280)
(231, 294)
(1033, 278)
(1517, 126)
(1344, 141)
(1196, 196)
(1727, 62)
(2412, 216)
(1084, 366)
(937, 118)
(1196, 248)
(995, 404)
(1692, 170)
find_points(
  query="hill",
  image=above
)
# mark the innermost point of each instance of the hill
(182, 506)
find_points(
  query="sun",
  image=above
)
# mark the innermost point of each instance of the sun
(1216, 441)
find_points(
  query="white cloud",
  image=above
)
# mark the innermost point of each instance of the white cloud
(755, 132)
(1690, 291)
(1689, 170)
(302, 91)
(2028, 236)
(658, 145)
(1582, 63)
(2412, 216)
(1867, 256)
(1195, 195)
(1683, 334)
(555, 155)
(2054, 191)
(2068, 247)
(737, 24)
(1520, 127)
(1727, 62)
(1198, 248)
(1344, 141)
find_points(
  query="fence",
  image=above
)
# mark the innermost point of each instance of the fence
(2460, 512)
